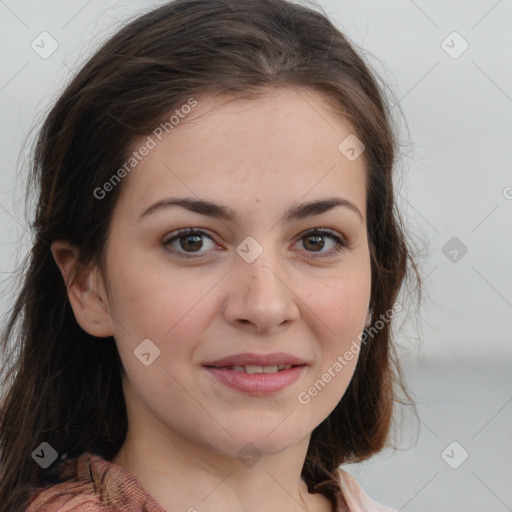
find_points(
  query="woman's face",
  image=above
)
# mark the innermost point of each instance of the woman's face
(254, 277)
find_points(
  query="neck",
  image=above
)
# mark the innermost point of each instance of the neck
(180, 476)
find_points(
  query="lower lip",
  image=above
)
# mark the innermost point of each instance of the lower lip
(257, 383)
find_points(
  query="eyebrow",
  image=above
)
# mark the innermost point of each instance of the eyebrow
(218, 211)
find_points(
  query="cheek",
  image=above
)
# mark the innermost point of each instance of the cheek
(161, 303)
(342, 306)
(339, 310)
(165, 309)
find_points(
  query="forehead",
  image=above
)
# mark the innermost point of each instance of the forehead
(277, 147)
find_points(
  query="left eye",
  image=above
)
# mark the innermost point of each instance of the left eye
(190, 241)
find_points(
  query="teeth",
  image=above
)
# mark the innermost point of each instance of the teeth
(251, 369)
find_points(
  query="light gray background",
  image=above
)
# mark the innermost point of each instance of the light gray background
(456, 181)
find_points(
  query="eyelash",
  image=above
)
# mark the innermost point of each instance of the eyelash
(341, 243)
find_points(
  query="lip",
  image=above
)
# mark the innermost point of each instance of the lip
(250, 358)
(256, 383)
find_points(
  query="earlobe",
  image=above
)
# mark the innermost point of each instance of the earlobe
(89, 307)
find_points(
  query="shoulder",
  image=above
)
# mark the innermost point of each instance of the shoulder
(78, 493)
(65, 497)
(357, 499)
(93, 484)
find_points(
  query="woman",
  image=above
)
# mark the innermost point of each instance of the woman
(207, 310)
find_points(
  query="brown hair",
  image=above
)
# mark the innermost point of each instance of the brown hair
(62, 385)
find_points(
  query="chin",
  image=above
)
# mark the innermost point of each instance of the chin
(260, 441)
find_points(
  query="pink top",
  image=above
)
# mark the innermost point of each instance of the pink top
(98, 485)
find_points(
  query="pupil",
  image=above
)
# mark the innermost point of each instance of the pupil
(318, 238)
(197, 239)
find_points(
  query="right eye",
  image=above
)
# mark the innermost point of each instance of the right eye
(190, 238)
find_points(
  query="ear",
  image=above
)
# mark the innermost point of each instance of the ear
(86, 291)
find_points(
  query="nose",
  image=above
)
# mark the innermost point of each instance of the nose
(260, 295)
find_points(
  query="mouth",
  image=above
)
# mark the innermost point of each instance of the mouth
(256, 380)
(254, 369)
(269, 362)
(256, 374)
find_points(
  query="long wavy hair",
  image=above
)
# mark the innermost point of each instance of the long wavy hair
(62, 385)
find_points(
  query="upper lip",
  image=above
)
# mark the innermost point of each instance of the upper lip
(244, 359)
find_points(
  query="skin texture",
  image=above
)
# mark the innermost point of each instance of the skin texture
(259, 157)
